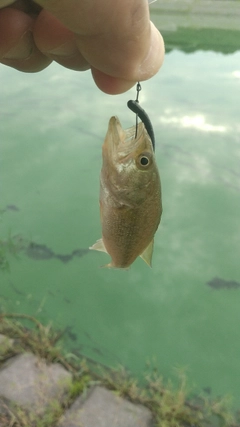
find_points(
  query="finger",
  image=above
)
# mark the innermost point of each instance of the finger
(17, 47)
(115, 37)
(124, 59)
(111, 85)
(58, 43)
(54, 40)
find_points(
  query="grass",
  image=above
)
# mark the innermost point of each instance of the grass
(192, 39)
(171, 406)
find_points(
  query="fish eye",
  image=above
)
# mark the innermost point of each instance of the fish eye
(144, 160)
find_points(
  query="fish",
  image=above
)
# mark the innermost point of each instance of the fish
(130, 195)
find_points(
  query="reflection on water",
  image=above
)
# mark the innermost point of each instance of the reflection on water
(53, 125)
(197, 122)
(218, 283)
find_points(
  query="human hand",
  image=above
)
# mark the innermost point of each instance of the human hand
(114, 38)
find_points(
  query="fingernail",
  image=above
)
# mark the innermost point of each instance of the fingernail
(22, 49)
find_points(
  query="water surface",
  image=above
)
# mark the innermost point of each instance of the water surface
(52, 128)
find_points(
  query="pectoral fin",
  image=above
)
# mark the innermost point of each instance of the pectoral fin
(147, 254)
(99, 246)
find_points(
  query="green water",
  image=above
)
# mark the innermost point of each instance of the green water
(52, 127)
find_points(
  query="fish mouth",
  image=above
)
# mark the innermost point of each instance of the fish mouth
(119, 143)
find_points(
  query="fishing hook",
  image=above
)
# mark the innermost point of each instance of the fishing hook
(141, 113)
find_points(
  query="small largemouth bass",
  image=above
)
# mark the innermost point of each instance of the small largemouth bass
(130, 195)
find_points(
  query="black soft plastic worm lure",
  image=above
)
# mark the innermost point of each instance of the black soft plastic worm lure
(141, 113)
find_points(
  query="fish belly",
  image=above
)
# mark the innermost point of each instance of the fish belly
(126, 233)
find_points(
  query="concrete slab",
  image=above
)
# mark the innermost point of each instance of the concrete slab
(103, 408)
(220, 14)
(31, 383)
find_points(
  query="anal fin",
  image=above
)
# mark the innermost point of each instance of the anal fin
(147, 254)
(99, 246)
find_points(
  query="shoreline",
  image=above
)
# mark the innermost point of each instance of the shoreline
(43, 386)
